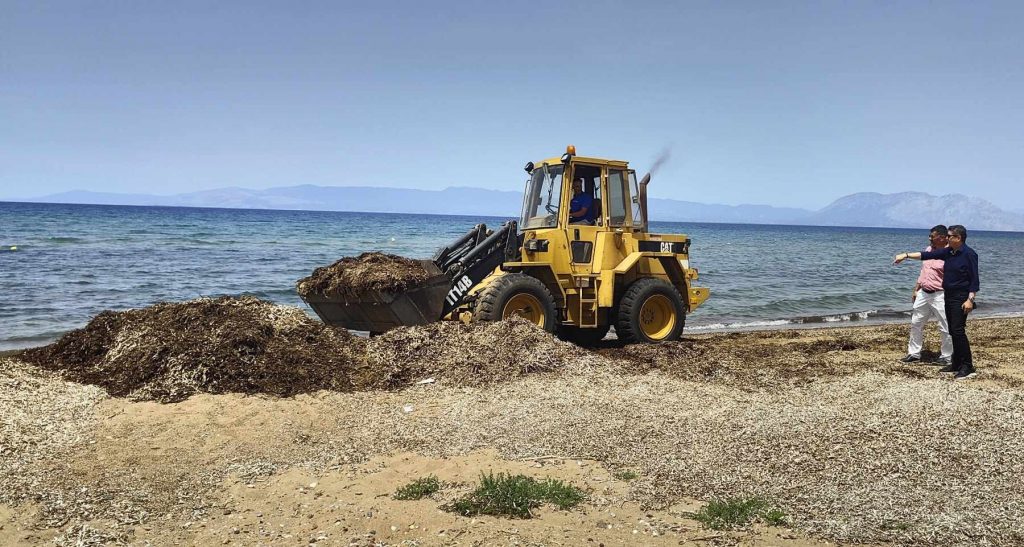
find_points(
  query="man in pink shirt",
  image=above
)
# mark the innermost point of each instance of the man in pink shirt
(929, 300)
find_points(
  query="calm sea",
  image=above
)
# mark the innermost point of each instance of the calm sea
(74, 261)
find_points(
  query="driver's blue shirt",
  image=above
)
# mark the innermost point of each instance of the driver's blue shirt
(579, 202)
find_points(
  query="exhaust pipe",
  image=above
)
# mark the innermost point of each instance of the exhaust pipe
(643, 199)
(662, 158)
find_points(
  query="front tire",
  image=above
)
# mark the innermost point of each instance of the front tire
(517, 294)
(651, 310)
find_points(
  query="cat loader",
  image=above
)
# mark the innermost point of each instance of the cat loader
(570, 277)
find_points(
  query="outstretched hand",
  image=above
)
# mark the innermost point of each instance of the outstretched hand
(899, 258)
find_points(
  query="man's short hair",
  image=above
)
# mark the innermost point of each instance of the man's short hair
(940, 229)
(959, 230)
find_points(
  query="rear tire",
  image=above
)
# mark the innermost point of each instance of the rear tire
(651, 310)
(583, 337)
(517, 294)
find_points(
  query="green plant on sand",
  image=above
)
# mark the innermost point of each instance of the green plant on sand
(625, 475)
(515, 496)
(732, 513)
(418, 489)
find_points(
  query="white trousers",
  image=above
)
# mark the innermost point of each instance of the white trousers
(925, 306)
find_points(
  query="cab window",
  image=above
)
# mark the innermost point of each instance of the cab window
(591, 175)
(638, 219)
(617, 193)
(542, 197)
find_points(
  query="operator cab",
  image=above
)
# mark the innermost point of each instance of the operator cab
(611, 185)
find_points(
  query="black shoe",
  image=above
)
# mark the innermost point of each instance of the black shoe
(949, 368)
(965, 374)
(910, 358)
(944, 361)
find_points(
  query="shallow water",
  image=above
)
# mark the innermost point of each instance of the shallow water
(73, 261)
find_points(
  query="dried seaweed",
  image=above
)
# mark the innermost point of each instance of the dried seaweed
(766, 360)
(352, 276)
(467, 355)
(41, 417)
(83, 535)
(170, 351)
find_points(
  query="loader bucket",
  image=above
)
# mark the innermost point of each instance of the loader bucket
(377, 311)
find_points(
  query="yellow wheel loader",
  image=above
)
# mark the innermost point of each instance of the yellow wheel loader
(570, 272)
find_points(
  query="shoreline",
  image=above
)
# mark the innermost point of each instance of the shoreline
(787, 324)
(697, 330)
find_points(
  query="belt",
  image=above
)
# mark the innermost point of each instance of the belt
(930, 291)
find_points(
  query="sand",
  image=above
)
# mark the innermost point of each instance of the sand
(854, 446)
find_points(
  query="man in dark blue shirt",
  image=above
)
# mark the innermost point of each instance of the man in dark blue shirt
(960, 283)
(581, 208)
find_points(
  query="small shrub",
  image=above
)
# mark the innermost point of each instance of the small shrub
(418, 489)
(732, 513)
(774, 517)
(515, 496)
(625, 475)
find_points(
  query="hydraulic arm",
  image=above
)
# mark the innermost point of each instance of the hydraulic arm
(472, 257)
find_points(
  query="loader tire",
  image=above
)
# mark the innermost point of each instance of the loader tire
(517, 294)
(583, 337)
(651, 310)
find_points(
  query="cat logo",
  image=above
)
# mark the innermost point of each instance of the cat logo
(666, 246)
(459, 290)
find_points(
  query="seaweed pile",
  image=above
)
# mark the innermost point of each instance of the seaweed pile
(170, 351)
(465, 355)
(350, 276)
(769, 360)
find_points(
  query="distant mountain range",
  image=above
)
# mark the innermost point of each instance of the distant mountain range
(916, 209)
(901, 210)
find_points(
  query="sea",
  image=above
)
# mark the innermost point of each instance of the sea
(61, 264)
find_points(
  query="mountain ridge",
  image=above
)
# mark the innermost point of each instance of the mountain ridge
(869, 209)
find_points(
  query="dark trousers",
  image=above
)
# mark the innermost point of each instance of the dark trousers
(958, 329)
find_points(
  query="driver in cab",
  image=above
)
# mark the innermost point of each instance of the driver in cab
(582, 205)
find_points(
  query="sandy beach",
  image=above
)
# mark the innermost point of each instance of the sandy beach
(852, 445)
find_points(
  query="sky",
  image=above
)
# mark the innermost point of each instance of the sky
(777, 103)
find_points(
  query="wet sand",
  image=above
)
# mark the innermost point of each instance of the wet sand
(854, 446)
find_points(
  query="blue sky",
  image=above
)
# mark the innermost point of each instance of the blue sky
(779, 103)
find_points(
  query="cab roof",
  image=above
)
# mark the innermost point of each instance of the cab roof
(585, 159)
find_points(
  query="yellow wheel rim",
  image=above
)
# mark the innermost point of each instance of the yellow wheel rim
(657, 317)
(527, 306)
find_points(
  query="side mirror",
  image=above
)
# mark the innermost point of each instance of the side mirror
(528, 167)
